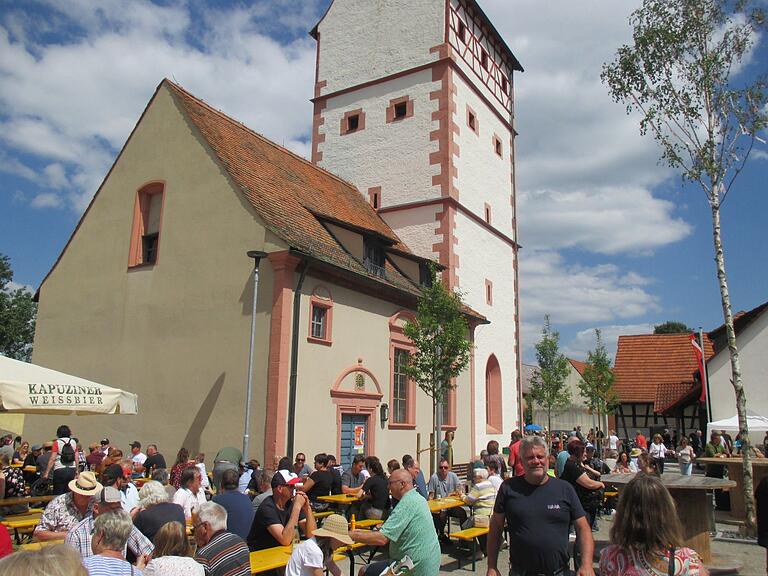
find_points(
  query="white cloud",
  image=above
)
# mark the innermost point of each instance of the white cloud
(584, 340)
(46, 200)
(13, 286)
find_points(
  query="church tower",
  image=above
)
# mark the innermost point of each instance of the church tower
(414, 105)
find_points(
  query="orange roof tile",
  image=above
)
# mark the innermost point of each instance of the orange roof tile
(578, 366)
(646, 362)
(291, 194)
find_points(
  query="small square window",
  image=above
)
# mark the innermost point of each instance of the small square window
(484, 59)
(401, 110)
(462, 32)
(497, 146)
(353, 122)
(472, 121)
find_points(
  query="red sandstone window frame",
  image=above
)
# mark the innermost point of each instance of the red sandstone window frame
(321, 299)
(141, 214)
(472, 120)
(494, 423)
(374, 197)
(488, 213)
(498, 146)
(488, 292)
(345, 122)
(391, 116)
(399, 341)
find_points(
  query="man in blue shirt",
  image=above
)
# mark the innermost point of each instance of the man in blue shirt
(418, 478)
(238, 506)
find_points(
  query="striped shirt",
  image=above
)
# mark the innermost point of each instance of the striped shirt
(108, 566)
(226, 554)
(79, 538)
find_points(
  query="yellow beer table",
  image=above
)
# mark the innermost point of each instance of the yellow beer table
(270, 559)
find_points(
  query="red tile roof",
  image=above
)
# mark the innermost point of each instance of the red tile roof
(578, 366)
(292, 195)
(649, 362)
(670, 395)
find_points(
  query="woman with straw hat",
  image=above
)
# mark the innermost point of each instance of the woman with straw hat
(313, 555)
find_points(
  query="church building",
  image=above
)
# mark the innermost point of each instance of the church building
(412, 162)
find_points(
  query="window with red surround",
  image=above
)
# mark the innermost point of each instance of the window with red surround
(498, 147)
(353, 121)
(489, 292)
(374, 197)
(472, 121)
(320, 317)
(147, 224)
(402, 405)
(493, 407)
(399, 109)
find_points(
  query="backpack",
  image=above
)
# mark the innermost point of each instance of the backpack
(67, 453)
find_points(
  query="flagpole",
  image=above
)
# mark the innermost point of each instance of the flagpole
(704, 375)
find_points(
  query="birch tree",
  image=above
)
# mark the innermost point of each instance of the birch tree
(684, 75)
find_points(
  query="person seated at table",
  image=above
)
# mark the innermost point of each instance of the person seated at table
(492, 467)
(95, 456)
(375, 505)
(392, 465)
(119, 476)
(80, 536)
(30, 463)
(408, 531)
(238, 505)
(300, 466)
(646, 464)
(66, 510)
(110, 536)
(11, 486)
(190, 495)
(21, 454)
(312, 556)
(481, 498)
(155, 510)
(247, 474)
(353, 479)
(337, 471)
(49, 561)
(493, 453)
(262, 480)
(220, 552)
(280, 515)
(172, 554)
(442, 484)
(319, 483)
(646, 536)
(114, 456)
(623, 465)
(413, 468)
(154, 460)
(42, 461)
(6, 446)
(161, 475)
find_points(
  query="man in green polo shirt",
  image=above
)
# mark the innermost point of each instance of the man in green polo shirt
(408, 531)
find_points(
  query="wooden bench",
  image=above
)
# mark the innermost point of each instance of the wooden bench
(470, 534)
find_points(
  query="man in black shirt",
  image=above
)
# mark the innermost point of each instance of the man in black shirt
(279, 515)
(154, 460)
(539, 510)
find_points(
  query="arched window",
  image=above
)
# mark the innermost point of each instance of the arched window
(147, 222)
(493, 405)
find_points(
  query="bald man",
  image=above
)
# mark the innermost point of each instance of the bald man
(408, 531)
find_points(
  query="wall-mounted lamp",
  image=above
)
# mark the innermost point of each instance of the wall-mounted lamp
(384, 412)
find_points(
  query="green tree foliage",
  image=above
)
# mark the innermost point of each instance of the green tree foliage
(17, 316)
(684, 75)
(548, 387)
(440, 337)
(596, 384)
(671, 327)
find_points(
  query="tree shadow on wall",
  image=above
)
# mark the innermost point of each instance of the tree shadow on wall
(192, 439)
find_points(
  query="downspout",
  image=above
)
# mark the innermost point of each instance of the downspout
(294, 359)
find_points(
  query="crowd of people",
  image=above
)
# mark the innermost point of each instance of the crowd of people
(130, 514)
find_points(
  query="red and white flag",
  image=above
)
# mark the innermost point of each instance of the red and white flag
(699, 353)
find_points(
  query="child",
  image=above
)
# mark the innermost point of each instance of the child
(311, 556)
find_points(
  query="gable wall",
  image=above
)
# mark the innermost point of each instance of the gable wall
(176, 333)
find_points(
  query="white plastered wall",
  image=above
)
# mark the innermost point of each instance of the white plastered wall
(483, 176)
(484, 256)
(416, 227)
(365, 40)
(753, 344)
(575, 415)
(392, 155)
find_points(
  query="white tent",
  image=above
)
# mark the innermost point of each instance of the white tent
(755, 423)
(27, 388)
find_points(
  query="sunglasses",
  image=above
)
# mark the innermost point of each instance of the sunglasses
(444, 467)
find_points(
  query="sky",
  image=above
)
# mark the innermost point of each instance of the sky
(611, 239)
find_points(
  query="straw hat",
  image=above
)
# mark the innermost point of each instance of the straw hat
(635, 452)
(85, 484)
(335, 526)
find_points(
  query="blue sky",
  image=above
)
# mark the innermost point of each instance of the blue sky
(610, 238)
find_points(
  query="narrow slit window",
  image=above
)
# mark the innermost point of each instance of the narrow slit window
(484, 59)
(504, 84)
(462, 32)
(497, 146)
(375, 200)
(472, 121)
(487, 214)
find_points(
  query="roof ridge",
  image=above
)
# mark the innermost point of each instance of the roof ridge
(260, 136)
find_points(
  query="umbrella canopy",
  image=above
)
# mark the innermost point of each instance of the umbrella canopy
(28, 388)
(755, 423)
(533, 428)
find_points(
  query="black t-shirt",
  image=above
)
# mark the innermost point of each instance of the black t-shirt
(323, 482)
(149, 521)
(377, 487)
(590, 499)
(155, 460)
(336, 486)
(538, 518)
(268, 514)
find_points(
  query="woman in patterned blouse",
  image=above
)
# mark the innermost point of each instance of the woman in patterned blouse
(646, 536)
